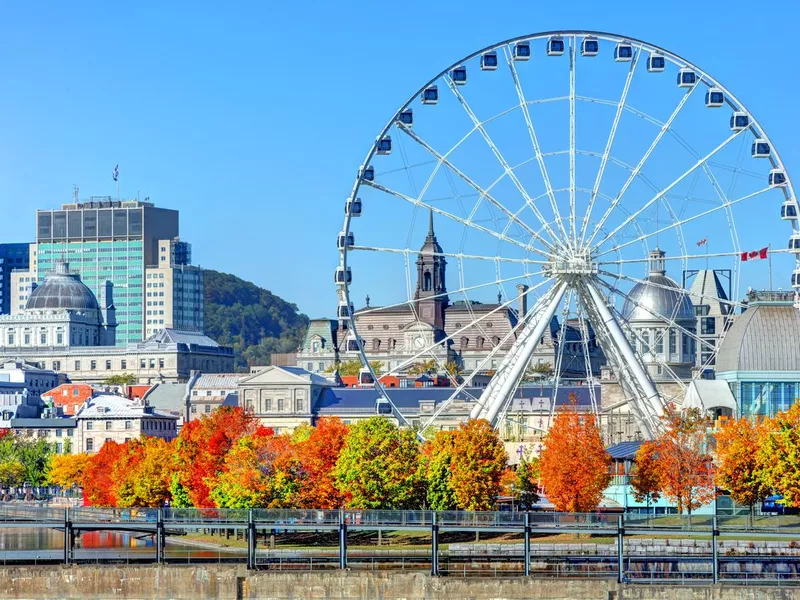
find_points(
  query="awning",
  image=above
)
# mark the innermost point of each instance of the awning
(708, 394)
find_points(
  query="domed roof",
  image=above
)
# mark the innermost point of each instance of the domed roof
(763, 338)
(659, 294)
(62, 290)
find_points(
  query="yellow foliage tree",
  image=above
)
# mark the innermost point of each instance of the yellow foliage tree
(67, 470)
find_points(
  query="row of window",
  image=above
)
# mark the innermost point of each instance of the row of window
(109, 425)
(123, 364)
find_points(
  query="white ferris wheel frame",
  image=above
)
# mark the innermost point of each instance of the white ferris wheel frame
(640, 391)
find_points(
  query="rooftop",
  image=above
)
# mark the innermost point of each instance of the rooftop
(116, 407)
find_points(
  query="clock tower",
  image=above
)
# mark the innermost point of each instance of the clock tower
(431, 294)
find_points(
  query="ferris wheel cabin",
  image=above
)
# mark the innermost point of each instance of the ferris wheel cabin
(345, 310)
(342, 276)
(788, 210)
(384, 146)
(489, 61)
(430, 95)
(623, 52)
(459, 75)
(794, 243)
(656, 63)
(522, 51)
(353, 207)
(555, 46)
(796, 279)
(366, 173)
(406, 117)
(760, 148)
(739, 120)
(590, 47)
(345, 240)
(714, 97)
(687, 78)
(777, 178)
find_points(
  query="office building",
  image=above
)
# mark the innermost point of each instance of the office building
(174, 290)
(12, 256)
(107, 242)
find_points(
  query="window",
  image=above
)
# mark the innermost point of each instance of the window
(268, 405)
(108, 425)
(194, 409)
(160, 363)
(59, 338)
(123, 364)
(10, 339)
(89, 445)
(69, 432)
(92, 365)
(56, 365)
(77, 365)
(673, 341)
(280, 404)
(43, 339)
(128, 425)
(27, 339)
(108, 439)
(108, 365)
(75, 392)
(127, 440)
(152, 363)
(89, 425)
(645, 342)
(660, 343)
(708, 325)
(59, 447)
(208, 408)
(59, 432)
(208, 392)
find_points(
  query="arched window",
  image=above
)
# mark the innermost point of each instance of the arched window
(426, 281)
(376, 344)
(464, 343)
(673, 342)
(496, 341)
(481, 341)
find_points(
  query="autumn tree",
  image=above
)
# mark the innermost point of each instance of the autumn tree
(99, 483)
(202, 446)
(778, 455)
(526, 482)
(144, 473)
(318, 455)
(646, 475)
(574, 464)
(436, 457)
(66, 470)
(377, 467)
(685, 467)
(424, 367)
(12, 472)
(348, 368)
(479, 459)
(739, 469)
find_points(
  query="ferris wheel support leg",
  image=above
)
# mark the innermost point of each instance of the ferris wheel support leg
(511, 369)
(632, 363)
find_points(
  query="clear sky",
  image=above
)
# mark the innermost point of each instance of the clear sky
(252, 118)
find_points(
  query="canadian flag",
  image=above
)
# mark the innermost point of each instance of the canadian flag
(755, 254)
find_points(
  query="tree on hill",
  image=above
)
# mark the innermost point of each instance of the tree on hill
(254, 321)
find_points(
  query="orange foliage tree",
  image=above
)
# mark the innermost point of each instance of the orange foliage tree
(574, 464)
(778, 455)
(478, 461)
(739, 469)
(685, 467)
(144, 472)
(201, 448)
(646, 475)
(318, 455)
(99, 475)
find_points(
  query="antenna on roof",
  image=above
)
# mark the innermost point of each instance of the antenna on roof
(75, 193)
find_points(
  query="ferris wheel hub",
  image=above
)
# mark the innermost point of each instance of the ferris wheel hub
(572, 262)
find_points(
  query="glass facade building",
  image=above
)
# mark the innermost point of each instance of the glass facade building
(12, 256)
(109, 244)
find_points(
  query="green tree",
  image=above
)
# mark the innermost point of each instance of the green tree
(526, 482)
(479, 459)
(435, 461)
(538, 372)
(378, 466)
(425, 367)
(124, 379)
(179, 494)
(12, 472)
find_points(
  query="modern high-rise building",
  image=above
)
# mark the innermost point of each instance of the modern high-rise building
(174, 290)
(110, 244)
(12, 256)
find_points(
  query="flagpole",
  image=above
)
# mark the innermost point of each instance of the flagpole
(769, 256)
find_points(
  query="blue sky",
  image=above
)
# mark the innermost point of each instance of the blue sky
(252, 119)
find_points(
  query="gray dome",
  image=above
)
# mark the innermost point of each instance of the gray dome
(62, 290)
(763, 338)
(673, 303)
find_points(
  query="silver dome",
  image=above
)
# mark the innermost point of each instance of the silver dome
(62, 290)
(673, 303)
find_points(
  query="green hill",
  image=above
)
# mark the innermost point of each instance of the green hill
(253, 320)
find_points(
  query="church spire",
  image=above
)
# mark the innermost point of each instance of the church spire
(430, 224)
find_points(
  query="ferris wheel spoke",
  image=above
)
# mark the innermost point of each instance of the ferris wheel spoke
(609, 143)
(587, 358)
(635, 172)
(682, 222)
(679, 257)
(503, 162)
(667, 320)
(655, 198)
(459, 256)
(523, 103)
(456, 218)
(572, 139)
(562, 343)
(485, 194)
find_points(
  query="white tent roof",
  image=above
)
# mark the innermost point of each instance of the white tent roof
(707, 394)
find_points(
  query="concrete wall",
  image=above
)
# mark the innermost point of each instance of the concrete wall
(222, 581)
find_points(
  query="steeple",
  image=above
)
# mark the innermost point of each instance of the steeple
(431, 289)
(431, 234)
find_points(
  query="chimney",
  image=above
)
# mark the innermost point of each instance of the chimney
(522, 290)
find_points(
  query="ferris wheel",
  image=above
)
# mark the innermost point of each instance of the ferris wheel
(561, 169)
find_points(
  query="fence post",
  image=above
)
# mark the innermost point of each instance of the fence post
(714, 550)
(160, 537)
(251, 540)
(67, 537)
(342, 541)
(527, 543)
(435, 545)
(620, 549)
